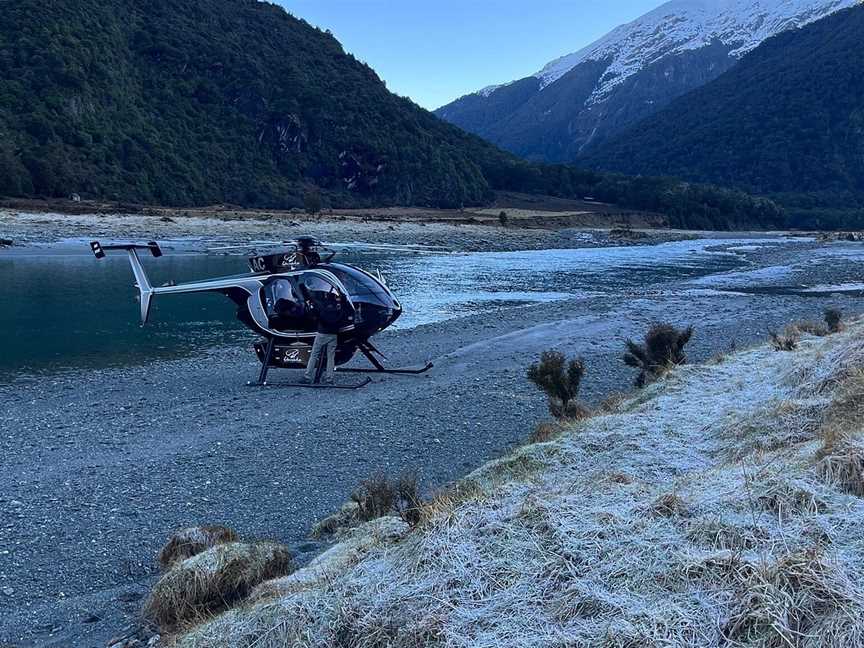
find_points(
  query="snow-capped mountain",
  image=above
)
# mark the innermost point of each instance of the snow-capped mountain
(635, 70)
(682, 25)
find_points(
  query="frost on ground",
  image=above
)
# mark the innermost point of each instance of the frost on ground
(718, 507)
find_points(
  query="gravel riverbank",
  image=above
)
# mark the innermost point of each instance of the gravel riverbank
(98, 467)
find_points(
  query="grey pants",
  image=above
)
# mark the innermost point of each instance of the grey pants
(323, 342)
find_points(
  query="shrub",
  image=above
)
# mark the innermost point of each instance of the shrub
(560, 380)
(502, 218)
(191, 541)
(834, 319)
(662, 349)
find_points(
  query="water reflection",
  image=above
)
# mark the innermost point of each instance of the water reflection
(60, 311)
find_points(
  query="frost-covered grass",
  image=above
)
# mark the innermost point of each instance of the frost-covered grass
(706, 511)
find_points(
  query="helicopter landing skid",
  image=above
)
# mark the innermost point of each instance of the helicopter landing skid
(318, 385)
(368, 350)
(266, 365)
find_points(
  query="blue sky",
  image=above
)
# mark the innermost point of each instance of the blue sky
(437, 50)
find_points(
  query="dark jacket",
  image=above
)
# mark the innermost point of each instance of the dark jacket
(332, 315)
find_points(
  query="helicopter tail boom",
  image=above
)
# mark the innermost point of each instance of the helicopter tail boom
(145, 289)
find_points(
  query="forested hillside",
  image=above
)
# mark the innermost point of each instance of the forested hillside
(236, 101)
(787, 121)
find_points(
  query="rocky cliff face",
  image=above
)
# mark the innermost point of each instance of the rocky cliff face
(582, 99)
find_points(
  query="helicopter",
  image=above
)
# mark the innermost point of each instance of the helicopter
(276, 300)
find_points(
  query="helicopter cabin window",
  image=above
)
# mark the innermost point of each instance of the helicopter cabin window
(317, 287)
(285, 309)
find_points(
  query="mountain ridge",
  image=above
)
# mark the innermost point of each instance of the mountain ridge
(700, 40)
(787, 122)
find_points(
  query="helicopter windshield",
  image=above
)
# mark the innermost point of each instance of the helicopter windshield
(361, 287)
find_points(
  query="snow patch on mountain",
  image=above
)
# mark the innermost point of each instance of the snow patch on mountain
(682, 25)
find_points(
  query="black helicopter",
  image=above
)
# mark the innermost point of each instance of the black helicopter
(276, 300)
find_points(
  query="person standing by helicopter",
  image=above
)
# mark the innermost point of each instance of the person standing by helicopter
(330, 315)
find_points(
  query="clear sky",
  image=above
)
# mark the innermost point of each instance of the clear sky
(437, 50)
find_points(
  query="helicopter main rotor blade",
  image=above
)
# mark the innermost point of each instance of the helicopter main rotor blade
(387, 247)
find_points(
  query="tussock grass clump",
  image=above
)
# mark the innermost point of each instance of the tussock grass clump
(787, 340)
(662, 349)
(782, 604)
(379, 496)
(560, 380)
(834, 319)
(212, 581)
(670, 505)
(843, 419)
(724, 536)
(545, 432)
(191, 541)
(788, 497)
(812, 328)
(844, 470)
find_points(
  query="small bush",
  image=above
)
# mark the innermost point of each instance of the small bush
(834, 319)
(191, 541)
(786, 341)
(662, 349)
(378, 496)
(560, 381)
(502, 218)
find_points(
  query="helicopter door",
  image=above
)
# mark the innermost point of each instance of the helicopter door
(317, 288)
(286, 309)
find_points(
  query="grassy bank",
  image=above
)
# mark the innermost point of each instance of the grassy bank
(718, 506)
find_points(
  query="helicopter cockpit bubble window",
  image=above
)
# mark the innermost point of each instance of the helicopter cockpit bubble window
(361, 287)
(317, 287)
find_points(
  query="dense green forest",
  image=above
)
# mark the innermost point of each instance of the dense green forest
(786, 122)
(237, 101)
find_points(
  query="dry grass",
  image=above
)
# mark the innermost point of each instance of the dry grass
(785, 604)
(379, 496)
(212, 581)
(844, 470)
(844, 418)
(566, 543)
(670, 505)
(546, 431)
(191, 541)
(788, 340)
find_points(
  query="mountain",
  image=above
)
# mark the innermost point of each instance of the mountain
(236, 101)
(214, 101)
(788, 119)
(578, 101)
